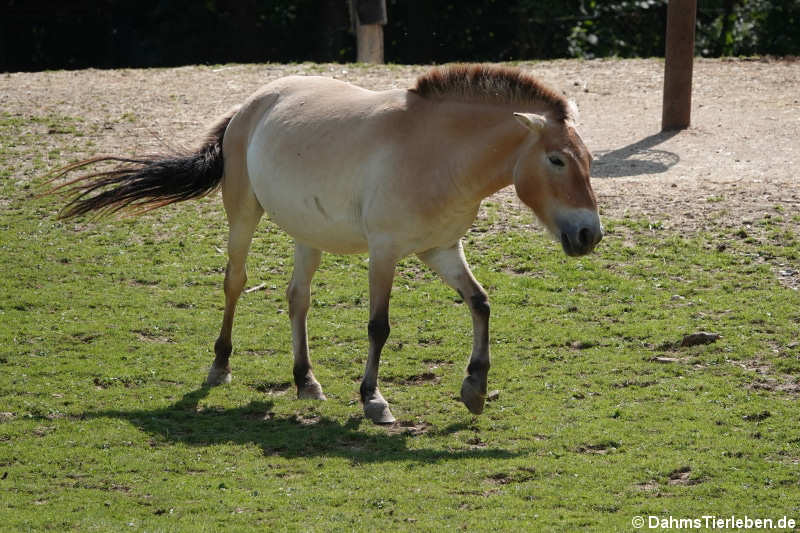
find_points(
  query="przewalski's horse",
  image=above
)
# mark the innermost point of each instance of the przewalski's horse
(347, 170)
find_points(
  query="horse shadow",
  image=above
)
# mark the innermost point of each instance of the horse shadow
(635, 159)
(292, 436)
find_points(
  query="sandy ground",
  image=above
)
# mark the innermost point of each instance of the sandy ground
(735, 165)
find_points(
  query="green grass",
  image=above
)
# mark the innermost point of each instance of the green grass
(106, 331)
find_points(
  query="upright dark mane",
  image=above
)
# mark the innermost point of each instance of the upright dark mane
(489, 83)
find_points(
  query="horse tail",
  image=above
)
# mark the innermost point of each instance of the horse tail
(148, 182)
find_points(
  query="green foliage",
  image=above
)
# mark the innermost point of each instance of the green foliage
(622, 29)
(159, 33)
(749, 27)
(107, 329)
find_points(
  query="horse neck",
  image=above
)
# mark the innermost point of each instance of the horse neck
(484, 141)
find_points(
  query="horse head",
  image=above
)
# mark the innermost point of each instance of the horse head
(551, 176)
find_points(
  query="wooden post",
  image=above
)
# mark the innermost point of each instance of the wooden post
(369, 42)
(679, 58)
(368, 17)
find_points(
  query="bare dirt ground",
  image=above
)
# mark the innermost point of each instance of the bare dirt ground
(734, 166)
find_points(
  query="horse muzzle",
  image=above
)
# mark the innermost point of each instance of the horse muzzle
(580, 234)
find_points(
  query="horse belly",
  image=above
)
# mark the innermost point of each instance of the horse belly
(311, 223)
(313, 212)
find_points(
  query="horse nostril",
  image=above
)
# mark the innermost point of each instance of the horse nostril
(585, 237)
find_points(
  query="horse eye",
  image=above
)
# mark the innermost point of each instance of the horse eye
(555, 160)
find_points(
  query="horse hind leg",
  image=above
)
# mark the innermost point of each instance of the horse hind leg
(244, 212)
(298, 293)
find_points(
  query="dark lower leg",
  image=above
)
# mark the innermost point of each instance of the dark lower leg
(451, 265)
(376, 408)
(222, 353)
(381, 275)
(220, 371)
(299, 296)
(473, 388)
(378, 331)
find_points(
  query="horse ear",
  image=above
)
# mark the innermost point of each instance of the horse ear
(573, 112)
(532, 121)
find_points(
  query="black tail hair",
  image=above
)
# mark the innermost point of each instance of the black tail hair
(147, 182)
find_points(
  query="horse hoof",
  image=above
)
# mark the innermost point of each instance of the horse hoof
(472, 396)
(311, 391)
(377, 410)
(218, 376)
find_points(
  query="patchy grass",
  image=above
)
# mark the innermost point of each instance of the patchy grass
(601, 416)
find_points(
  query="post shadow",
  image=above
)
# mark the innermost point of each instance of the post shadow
(635, 159)
(288, 437)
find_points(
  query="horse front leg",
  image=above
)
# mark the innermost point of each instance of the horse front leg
(451, 265)
(381, 276)
(306, 261)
